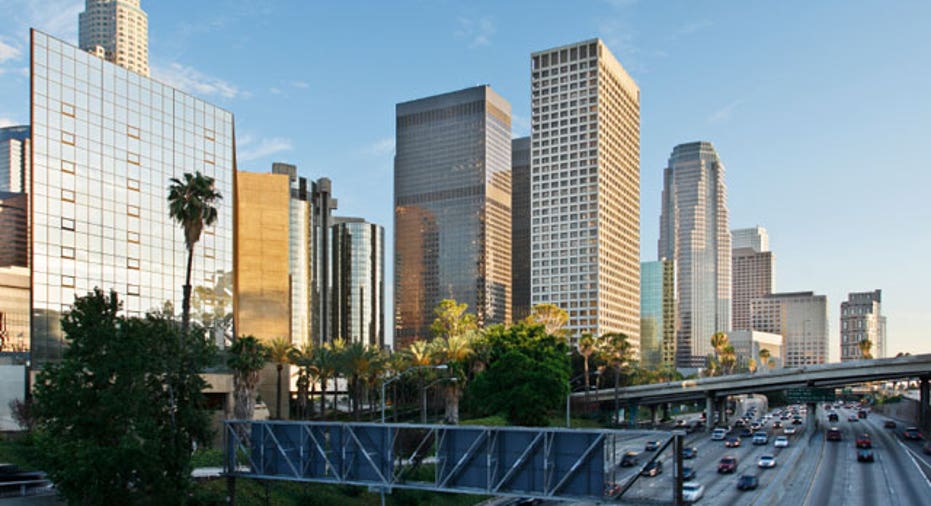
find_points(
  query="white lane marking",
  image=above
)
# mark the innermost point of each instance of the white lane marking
(908, 452)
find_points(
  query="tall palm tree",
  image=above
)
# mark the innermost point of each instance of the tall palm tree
(764, 357)
(357, 361)
(455, 352)
(307, 374)
(191, 203)
(325, 362)
(719, 341)
(866, 347)
(420, 354)
(587, 347)
(728, 359)
(247, 358)
(280, 350)
(618, 352)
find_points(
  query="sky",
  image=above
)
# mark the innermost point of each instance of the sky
(820, 111)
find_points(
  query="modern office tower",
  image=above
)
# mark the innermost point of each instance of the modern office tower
(300, 254)
(452, 209)
(585, 193)
(106, 141)
(658, 314)
(322, 205)
(14, 309)
(861, 319)
(752, 272)
(694, 232)
(358, 276)
(755, 238)
(14, 159)
(748, 344)
(801, 318)
(14, 229)
(117, 31)
(520, 228)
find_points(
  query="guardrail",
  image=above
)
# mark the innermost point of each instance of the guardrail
(25, 488)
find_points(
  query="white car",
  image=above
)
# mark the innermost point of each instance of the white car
(718, 434)
(789, 430)
(692, 491)
(766, 462)
(781, 442)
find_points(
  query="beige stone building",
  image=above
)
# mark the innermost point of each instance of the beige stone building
(117, 31)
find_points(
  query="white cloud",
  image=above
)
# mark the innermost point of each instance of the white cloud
(724, 113)
(196, 82)
(381, 147)
(478, 32)
(58, 18)
(6, 122)
(274, 91)
(264, 147)
(299, 84)
(8, 52)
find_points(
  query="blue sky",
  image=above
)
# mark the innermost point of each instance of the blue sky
(821, 111)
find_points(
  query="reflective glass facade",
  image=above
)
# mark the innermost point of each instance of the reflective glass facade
(452, 187)
(657, 314)
(106, 141)
(358, 290)
(520, 228)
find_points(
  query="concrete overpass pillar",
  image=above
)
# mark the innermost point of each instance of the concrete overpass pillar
(709, 411)
(923, 393)
(811, 421)
(632, 413)
(653, 414)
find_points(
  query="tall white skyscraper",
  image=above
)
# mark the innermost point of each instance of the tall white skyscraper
(585, 188)
(694, 233)
(117, 31)
(752, 272)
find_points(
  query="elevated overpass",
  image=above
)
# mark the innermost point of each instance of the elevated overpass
(716, 389)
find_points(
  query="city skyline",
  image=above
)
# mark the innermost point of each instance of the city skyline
(829, 107)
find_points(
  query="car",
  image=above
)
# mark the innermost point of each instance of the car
(652, 469)
(766, 462)
(760, 438)
(797, 420)
(777, 424)
(688, 473)
(732, 442)
(861, 414)
(746, 432)
(832, 416)
(718, 434)
(630, 459)
(853, 418)
(781, 442)
(692, 492)
(863, 441)
(889, 424)
(727, 464)
(680, 423)
(833, 434)
(747, 482)
(789, 430)
(912, 434)
(864, 455)
(689, 452)
(652, 446)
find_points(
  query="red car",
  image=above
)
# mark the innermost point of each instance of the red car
(727, 464)
(863, 441)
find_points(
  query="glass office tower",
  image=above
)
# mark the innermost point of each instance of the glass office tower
(658, 314)
(106, 141)
(358, 273)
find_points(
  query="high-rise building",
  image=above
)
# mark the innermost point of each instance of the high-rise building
(658, 314)
(322, 205)
(748, 344)
(14, 159)
(14, 309)
(801, 318)
(358, 274)
(585, 188)
(117, 31)
(694, 232)
(452, 191)
(752, 272)
(14, 229)
(300, 254)
(520, 228)
(106, 142)
(861, 320)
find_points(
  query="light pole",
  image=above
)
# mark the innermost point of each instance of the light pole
(398, 376)
(423, 410)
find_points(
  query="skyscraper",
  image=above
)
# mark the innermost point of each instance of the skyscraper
(452, 191)
(801, 318)
(106, 142)
(322, 205)
(358, 274)
(520, 228)
(14, 159)
(752, 272)
(117, 31)
(658, 314)
(694, 232)
(585, 188)
(14, 229)
(861, 319)
(300, 254)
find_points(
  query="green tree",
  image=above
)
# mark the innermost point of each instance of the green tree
(587, 346)
(279, 353)
(728, 359)
(191, 203)
(325, 360)
(303, 358)
(452, 319)
(419, 354)
(865, 346)
(764, 358)
(618, 352)
(108, 431)
(247, 358)
(453, 351)
(552, 317)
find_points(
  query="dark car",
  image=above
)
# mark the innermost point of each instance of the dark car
(732, 442)
(889, 424)
(630, 459)
(863, 441)
(688, 473)
(861, 413)
(777, 424)
(832, 416)
(864, 455)
(747, 482)
(797, 421)
(689, 452)
(727, 464)
(833, 434)
(746, 432)
(912, 434)
(652, 469)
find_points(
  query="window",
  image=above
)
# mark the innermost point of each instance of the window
(67, 195)
(132, 158)
(67, 138)
(132, 289)
(132, 184)
(132, 131)
(67, 109)
(67, 166)
(67, 224)
(132, 237)
(132, 263)
(67, 281)
(67, 252)
(132, 210)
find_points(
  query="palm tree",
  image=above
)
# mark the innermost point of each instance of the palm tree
(307, 374)
(764, 357)
(453, 351)
(728, 359)
(420, 355)
(280, 350)
(452, 319)
(191, 203)
(324, 360)
(752, 365)
(247, 358)
(718, 342)
(587, 347)
(618, 352)
(356, 362)
(551, 316)
(866, 347)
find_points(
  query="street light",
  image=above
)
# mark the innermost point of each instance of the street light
(423, 411)
(398, 376)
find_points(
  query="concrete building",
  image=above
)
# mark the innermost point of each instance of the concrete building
(694, 232)
(106, 142)
(658, 314)
(861, 319)
(14, 309)
(752, 272)
(14, 229)
(117, 31)
(585, 188)
(452, 191)
(749, 343)
(15, 165)
(801, 318)
(520, 228)
(358, 281)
